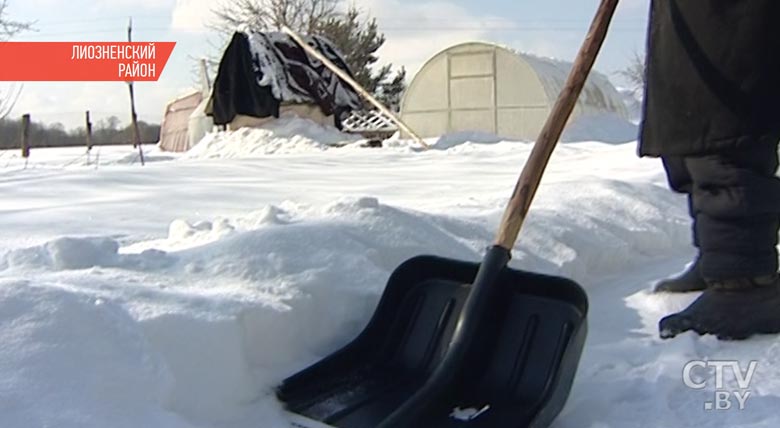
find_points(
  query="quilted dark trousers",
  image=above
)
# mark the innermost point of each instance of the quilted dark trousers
(734, 200)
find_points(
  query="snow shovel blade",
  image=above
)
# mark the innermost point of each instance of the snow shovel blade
(397, 373)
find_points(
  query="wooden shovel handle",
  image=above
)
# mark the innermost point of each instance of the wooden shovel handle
(517, 209)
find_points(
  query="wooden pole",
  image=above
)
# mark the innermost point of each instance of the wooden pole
(26, 136)
(531, 176)
(355, 85)
(89, 133)
(204, 77)
(133, 115)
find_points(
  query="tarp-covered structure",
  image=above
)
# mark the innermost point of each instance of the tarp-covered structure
(175, 133)
(185, 122)
(262, 75)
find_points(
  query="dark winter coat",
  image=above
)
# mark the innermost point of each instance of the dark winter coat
(237, 91)
(713, 76)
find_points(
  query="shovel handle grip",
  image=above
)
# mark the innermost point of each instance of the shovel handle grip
(520, 202)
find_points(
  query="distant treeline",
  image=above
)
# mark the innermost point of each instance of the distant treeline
(104, 132)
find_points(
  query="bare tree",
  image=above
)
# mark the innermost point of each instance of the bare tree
(262, 15)
(355, 34)
(8, 97)
(265, 15)
(8, 28)
(634, 73)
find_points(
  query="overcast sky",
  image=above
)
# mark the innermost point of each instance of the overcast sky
(415, 30)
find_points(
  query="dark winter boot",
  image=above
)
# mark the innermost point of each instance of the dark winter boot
(690, 280)
(730, 309)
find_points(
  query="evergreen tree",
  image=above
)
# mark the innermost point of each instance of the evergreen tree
(391, 92)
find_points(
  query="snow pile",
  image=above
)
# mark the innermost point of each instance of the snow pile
(71, 359)
(458, 138)
(216, 314)
(288, 134)
(179, 295)
(452, 142)
(70, 253)
(605, 127)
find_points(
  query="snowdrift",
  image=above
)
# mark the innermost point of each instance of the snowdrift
(201, 325)
(179, 295)
(607, 128)
(288, 134)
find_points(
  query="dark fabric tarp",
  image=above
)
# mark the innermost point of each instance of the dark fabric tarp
(254, 80)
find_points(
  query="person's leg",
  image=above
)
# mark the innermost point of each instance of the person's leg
(680, 181)
(736, 203)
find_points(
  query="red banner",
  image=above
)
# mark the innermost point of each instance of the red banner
(84, 61)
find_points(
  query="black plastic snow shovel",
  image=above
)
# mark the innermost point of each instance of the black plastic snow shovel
(457, 344)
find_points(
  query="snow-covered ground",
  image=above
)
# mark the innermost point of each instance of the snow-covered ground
(176, 295)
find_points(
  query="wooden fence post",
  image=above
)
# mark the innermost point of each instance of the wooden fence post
(133, 115)
(89, 133)
(26, 136)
